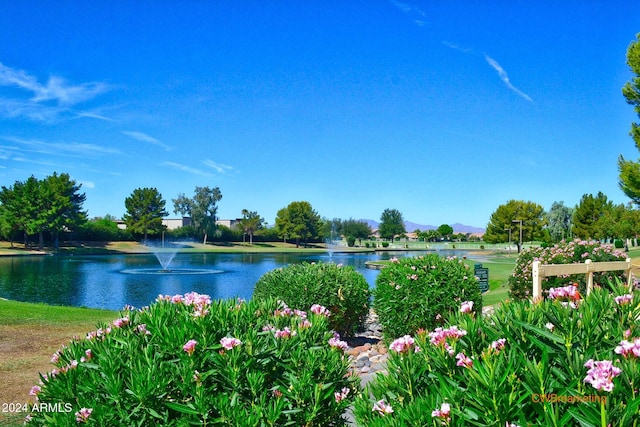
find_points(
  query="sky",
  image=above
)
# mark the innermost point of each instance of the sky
(443, 110)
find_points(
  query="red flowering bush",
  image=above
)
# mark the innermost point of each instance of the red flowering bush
(576, 251)
(565, 363)
(187, 360)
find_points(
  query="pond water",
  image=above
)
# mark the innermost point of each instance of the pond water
(113, 281)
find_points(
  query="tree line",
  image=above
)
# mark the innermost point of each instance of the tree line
(594, 217)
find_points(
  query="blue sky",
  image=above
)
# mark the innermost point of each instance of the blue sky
(441, 109)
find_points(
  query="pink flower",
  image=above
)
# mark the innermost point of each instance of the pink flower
(304, 324)
(35, 390)
(550, 326)
(623, 299)
(321, 310)
(284, 333)
(190, 347)
(466, 307)
(499, 344)
(123, 321)
(404, 345)
(627, 333)
(336, 343)
(229, 342)
(88, 355)
(508, 424)
(394, 260)
(627, 348)
(600, 374)
(463, 360)
(82, 416)
(55, 357)
(570, 292)
(440, 335)
(341, 395)
(444, 412)
(382, 408)
(142, 328)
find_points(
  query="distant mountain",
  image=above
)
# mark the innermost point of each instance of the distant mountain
(412, 226)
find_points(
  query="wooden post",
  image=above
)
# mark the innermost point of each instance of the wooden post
(537, 282)
(589, 276)
(629, 276)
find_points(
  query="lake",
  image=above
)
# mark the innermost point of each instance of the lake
(113, 281)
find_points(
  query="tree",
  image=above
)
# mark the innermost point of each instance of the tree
(145, 210)
(298, 221)
(202, 209)
(629, 177)
(559, 221)
(251, 222)
(353, 229)
(63, 204)
(445, 230)
(514, 215)
(391, 224)
(587, 214)
(36, 206)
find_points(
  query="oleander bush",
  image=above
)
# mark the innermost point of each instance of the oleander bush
(186, 360)
(576, 251)
(343, 290)
(417, 292)
(560, 362)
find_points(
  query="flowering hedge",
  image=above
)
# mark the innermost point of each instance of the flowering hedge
(576, 251)
(186, 360)
(413, 293)
(343, 290)
(561, 362)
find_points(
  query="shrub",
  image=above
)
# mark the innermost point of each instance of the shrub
(367, 244)
(577, 251)
(525, 364)
(351, 241)
(618, 244)
(188, 361)
(414, 293)
(341, 289)
(385, 244)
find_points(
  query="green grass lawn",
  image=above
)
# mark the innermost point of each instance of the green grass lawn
(29, 335)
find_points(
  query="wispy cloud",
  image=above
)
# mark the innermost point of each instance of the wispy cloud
(418, 15)
(456, 46)
(505, 77)
(44, 101)
(143, 137)
(186, 168)
(58, 148)
(219, 167)
(94, 115)
(56, 89)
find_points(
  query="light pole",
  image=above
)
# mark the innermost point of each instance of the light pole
(520, 245)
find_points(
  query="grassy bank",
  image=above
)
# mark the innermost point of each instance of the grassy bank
(29, 335)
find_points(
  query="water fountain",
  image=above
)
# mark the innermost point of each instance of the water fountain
(332, 241)
(165, 254)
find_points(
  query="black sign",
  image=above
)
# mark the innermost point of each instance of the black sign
(483, 277)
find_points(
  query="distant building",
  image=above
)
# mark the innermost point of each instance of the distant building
(173, 223)
(229, 223)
